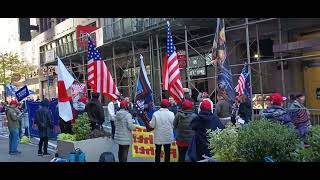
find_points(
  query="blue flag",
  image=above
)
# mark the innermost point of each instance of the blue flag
(11, 90)
(22, 93)
(219, 57)
(144, 101)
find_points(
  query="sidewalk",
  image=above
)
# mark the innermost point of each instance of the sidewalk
(29, 153)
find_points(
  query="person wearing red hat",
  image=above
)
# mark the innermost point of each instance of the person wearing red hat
(275, 112)
(162, 122)
(13, 126)
(200, 124)
(204, 97)
(123, 130)
(184, 133)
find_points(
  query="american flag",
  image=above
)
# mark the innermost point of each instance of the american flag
(171, 72)
(99, 78)
(243, 86)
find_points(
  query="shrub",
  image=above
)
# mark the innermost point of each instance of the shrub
(82, 127)
(66, 137)
(223, 144)
(312, 153)
(262, 138)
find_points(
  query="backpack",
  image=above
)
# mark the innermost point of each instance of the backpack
(107, 157)
(77, 156)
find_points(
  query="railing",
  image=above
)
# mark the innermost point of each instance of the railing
(314, 116)
(124, 27)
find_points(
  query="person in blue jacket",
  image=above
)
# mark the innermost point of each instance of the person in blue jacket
(200, 124)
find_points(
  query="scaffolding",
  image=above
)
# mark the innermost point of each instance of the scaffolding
(195, 36)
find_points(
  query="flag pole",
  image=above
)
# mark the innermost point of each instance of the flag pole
(249, 63)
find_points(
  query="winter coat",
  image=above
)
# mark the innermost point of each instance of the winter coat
(44, 121)
(12, 116)
(124, 126)
(95, 113)
(277, 114)
(300, 117)
(182, 123)
(200, 124)
(245, 111)
(162, 122)
(223, 109)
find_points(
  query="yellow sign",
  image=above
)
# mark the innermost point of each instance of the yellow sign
(143, 146)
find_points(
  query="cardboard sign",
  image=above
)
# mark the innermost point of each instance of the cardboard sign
(77, 88)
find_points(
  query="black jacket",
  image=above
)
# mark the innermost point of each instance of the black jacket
(245, 111)
(200, 124)
(44, 121)
(182, 123)
(95, 113)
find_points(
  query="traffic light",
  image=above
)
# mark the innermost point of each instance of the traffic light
(24, 29)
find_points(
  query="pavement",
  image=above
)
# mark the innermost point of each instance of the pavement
(28, 153)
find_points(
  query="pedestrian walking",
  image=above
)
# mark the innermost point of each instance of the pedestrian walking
(184, 133)
(13, 125)
(123, 134)
(44, 122)
(162, 122)
(201, 124)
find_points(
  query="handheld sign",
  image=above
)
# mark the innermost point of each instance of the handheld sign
(22, 93)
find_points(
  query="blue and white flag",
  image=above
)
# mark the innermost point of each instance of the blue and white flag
(219, 57)
(22, 93)
(144, 101)
(11, 89)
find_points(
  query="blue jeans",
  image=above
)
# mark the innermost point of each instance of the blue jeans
(14, 140)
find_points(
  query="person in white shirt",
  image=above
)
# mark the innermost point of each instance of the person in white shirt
(113, 108)
(162, 122)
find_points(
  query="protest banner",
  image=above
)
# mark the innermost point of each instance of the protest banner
(143, 146)
(22, 93)
(32, 108)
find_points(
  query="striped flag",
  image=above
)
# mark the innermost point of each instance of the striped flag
(99, 77)
(65, 80)
(243, 86)
(171, 72)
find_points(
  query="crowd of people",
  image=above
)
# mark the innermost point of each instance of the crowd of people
(186, 123)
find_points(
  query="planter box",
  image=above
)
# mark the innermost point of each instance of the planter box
(93, 148)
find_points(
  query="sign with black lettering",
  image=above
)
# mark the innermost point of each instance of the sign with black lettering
(22, 93)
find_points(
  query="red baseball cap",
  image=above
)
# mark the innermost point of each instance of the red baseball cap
(14, 102)
(124, 104)
(205, 105)
(277, 98)
(165, 103)
(187, 105)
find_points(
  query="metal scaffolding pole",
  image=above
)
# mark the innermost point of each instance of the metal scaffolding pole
(151, 68)
(134, 67)
(159, 67)
(249, 61)
(258, 58)
(282, 69)
(187, 54)
(114, 66)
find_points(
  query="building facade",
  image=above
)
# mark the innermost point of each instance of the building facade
(283, 53)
